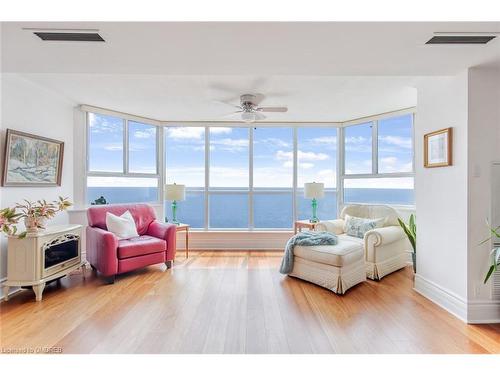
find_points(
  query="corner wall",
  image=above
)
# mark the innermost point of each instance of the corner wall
(483, 149)
(30, 108)
(441, 195)
(454, 202)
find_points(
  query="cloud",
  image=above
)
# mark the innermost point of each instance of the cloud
(404, 142)
(146, 133)
(392, 164)
(192, 132)
(357, 140)
(327, 140)
(185, 132)
(113, 147)
(275, 142)
(100, 124)
(358, 144)
(220, 130)
(229, 144)
(301, 156)
(306, 165)
(289, 164)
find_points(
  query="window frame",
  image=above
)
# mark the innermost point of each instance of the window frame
(125, 168)
(375, 121)
(161, 172)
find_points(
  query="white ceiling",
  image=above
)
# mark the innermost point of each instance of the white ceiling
(243, 48)
(175, 71)
(195, 98)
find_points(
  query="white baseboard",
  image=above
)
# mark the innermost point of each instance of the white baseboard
(448, 300)
(484, 312)
(234, 240)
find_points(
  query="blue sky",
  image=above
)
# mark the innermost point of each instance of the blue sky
(273, 153)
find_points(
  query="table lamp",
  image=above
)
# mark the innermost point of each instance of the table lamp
(174, 193)
(314, 190)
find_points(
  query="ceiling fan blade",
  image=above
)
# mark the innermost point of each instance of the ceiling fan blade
(272, 109)
(235, 115)
(227, 103)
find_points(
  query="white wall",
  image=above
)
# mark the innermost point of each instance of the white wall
(33, 109)
(441, 195)
(483, 149)
(454, 202)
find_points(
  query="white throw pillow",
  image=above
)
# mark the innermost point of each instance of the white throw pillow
(358, 226)
(122, 226)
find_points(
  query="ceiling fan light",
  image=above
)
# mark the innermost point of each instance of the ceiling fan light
(248, 116)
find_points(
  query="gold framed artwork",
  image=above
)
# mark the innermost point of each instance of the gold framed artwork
(31, 160)
(438, 148)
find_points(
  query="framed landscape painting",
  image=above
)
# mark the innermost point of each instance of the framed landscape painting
(31, 160)
(438, 148)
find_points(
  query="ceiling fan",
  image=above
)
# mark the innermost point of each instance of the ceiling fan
(250, 110)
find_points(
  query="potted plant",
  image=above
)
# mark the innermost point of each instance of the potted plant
(494, 253)
(410, 230)
(34, 215)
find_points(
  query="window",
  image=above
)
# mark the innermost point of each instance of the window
(358, 149)
(317, 162)
(229, 157)
(185, 164)
(251, 176)
(122, 189)
(273, 158)
(394, 190)
(382, 173)
(185, 156)
(122, 160)
(395, 144)
(272, 177)
(105, 143)
(141, 148)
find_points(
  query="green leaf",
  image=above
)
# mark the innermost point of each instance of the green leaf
(488, 275)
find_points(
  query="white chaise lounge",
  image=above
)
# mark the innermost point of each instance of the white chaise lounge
(385, 248)
(336, 267)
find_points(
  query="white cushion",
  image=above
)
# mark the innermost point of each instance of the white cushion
(122, 226)
(372, 211)
(342, 254)
(358, 226)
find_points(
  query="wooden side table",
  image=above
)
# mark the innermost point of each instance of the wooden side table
(184, 227)
(299, 224)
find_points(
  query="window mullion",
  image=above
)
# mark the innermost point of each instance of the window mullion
(250, 178)
(125, 147)
(160, 165)
(340, 169)
(294, 187)
(207, 176)
(375, 147)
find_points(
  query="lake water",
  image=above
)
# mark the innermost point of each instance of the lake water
(271, 210)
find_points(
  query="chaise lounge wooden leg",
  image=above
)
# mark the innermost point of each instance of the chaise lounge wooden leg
(169, 264)
(110, 279)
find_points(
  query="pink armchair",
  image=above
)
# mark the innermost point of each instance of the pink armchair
(111, 256)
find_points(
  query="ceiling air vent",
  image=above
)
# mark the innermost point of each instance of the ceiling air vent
(69, 37)
(460, 39)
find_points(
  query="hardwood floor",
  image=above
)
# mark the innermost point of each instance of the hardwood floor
(234, 302)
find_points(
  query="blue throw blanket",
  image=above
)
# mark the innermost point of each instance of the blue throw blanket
(304, 239)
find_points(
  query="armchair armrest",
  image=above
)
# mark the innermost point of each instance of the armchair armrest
(384, 235)
(167, 232)
(101, 250)
(333, 226)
